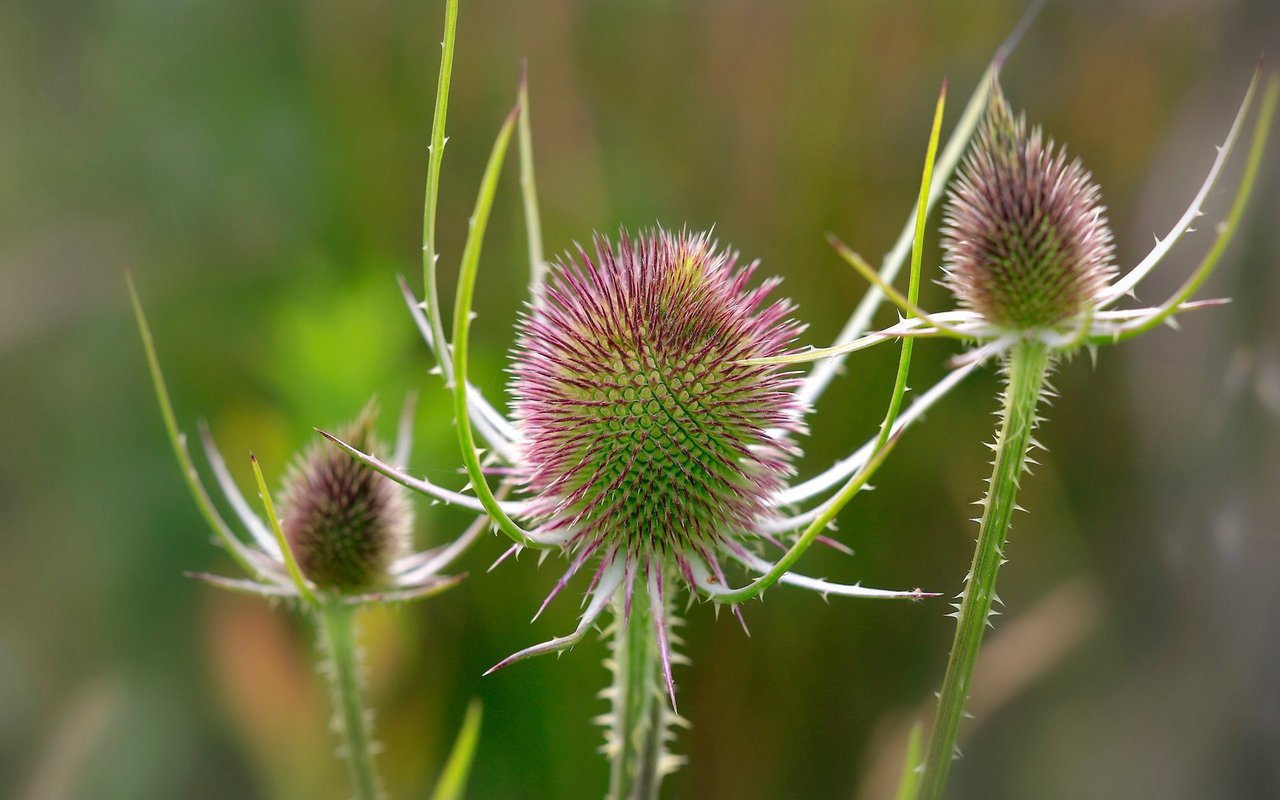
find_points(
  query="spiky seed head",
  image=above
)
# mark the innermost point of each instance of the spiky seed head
(344, 522)
(1025, 237)
(644, 434)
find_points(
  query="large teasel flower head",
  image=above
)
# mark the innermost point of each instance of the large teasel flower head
(1026, 242)
(645, 434)
(651, 442)
(345, 523)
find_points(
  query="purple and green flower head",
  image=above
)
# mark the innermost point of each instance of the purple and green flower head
(1025, 237)
(345, 523)
(646, 437)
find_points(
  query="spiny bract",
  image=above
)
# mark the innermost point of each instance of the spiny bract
(344, 522)
(1026, 241)
(645, 435)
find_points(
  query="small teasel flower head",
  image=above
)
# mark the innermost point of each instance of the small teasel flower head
(645, 436)
(343, 521)
(1026, 242)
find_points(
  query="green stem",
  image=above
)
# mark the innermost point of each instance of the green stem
(636, 744)
(337, 622)
(1028, 369)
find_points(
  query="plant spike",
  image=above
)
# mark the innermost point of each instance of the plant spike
(904, 305)
(1128, 282)
(917, 255)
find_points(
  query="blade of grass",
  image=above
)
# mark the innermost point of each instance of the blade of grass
(821, 375)
(453, 780)
(461, 332)
(917, 256)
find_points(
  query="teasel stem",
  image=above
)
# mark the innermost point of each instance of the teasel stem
(338, 631)
(637, 734)
(1027, 372)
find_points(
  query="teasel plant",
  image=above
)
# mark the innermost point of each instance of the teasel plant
(1028, 256)
(339, 543)
(651, 438)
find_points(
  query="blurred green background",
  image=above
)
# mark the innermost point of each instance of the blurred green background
(259, 167)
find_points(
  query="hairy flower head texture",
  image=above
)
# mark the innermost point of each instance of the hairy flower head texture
(644, 433)
(345, 523)
(1025, 237)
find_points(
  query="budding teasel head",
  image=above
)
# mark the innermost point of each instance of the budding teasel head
(1028, 253)
(345, 533)
(345, 523)
(1025, 236)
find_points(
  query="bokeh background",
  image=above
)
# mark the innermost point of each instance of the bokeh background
(259, 167)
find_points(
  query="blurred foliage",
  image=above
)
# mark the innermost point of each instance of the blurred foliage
(259, 166)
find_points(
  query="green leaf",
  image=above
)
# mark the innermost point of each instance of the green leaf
(453, 780)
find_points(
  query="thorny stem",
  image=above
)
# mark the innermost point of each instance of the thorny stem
(1028, 369)
(338, 631)
(636, 736)
(429, 254)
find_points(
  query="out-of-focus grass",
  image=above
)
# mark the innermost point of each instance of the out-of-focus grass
(259, 167)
